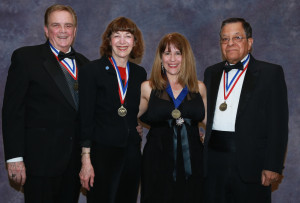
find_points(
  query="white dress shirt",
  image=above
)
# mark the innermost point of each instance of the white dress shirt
(225, 120)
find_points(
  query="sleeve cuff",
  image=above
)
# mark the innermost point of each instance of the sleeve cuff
(17, 159)
(86, 143)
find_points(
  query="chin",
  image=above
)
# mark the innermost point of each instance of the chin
(232, 59)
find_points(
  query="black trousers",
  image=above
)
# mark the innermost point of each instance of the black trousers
(117, 174)
(223, 183)
(64, 188)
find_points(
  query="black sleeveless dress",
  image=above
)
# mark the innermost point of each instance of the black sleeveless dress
(164, 164)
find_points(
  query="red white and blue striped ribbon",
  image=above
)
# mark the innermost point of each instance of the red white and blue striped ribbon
(72, 69)
(122, 88)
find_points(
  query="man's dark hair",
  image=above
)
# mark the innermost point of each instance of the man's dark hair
(246, 25)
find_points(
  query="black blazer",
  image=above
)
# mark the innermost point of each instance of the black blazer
(99, 103)
(40, 121)
(262, 118)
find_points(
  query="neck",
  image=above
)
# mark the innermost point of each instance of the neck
(121, 62)
(173, 80)
(236, 61)
(62, 49)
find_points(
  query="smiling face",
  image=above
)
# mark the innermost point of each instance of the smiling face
(235, 51)
(60, 30)
(122, 43)
(171, 60)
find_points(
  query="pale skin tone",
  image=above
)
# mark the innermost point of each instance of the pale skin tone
(61, 32)
(235, 52)
(172, 62)
(122, 43)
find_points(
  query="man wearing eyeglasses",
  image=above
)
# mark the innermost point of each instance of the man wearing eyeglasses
(247, 121)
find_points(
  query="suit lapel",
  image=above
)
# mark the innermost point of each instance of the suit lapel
(53, 68)
(113, 81)
(78, 59)
(248, 85)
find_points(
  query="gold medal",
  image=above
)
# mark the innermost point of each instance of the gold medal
(176, 113)
(223, 106)
(122, 111)
(75, 86)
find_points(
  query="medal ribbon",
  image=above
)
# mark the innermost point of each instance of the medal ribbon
(245, 63)
(72, 70)
(122, 89)
(180, 97)
(182, 130)
(183, 133)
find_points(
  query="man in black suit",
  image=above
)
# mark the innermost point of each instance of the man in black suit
(40, 119)
(247, 125)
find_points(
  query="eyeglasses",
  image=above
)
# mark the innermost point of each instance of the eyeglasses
(225, 40)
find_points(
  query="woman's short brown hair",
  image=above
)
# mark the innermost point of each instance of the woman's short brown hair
(187, 74)
(122, 24)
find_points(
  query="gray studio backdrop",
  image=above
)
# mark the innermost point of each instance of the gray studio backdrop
(275, 26)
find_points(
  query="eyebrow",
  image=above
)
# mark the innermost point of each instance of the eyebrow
(57, 23)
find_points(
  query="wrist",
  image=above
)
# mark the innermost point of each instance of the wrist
(86, 161)
(85, 153)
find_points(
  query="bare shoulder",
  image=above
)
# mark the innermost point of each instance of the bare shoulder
(201, 86)
(146, 86)
(146, 89)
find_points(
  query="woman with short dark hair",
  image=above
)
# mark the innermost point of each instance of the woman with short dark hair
(109, 103)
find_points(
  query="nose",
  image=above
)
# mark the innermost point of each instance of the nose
(173, 57)
(62, 29)
(122, 40)
(230, 42)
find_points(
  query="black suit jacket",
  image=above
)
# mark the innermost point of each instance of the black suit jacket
(262, 118)
(40, 121)
(99, 103)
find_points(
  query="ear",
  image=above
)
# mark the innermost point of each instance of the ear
(250, 42)
(75, 32)
(46, 31)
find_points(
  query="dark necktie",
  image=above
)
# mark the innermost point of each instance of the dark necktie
(62, 55)
(229, 67)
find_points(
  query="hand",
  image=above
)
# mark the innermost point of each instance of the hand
(269, 177)
(201, 134)
(139, 129)
(16, 172)
(87, 173)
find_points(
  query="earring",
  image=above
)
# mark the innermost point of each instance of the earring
(162, 68)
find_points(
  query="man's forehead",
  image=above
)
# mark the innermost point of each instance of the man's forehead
(231, 33)
(232, 28)
(59, 20)
(58, 14)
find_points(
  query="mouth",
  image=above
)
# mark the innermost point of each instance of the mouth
(62, 37)
(229, 50)
(122, 48)
(173, 65)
